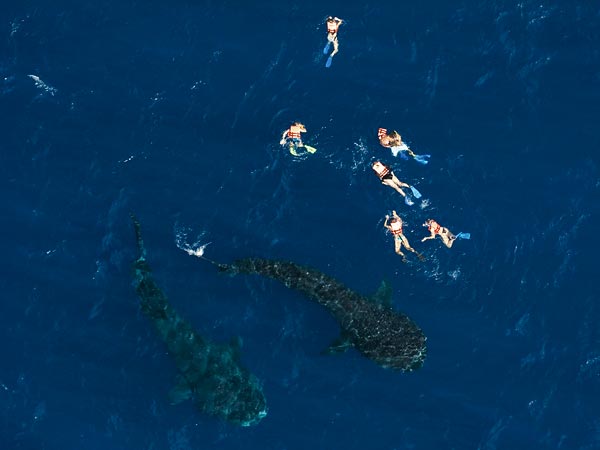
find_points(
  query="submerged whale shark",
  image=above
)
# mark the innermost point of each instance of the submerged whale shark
(210, 374)
(370, 325)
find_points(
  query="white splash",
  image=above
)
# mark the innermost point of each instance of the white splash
(194, 249)
(199, 251)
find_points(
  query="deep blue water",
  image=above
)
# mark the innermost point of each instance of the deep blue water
(173, 110)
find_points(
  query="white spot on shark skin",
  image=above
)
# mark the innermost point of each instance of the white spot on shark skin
(39, 83)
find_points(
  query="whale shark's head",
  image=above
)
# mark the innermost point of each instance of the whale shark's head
(236, 397)
(250, 406)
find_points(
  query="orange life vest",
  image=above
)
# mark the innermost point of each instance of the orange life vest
(396, 227)
(293, 132)
(435, 227)
(381, 170)
(332, 27)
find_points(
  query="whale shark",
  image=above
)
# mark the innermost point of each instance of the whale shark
(210, 374)
(368, 324)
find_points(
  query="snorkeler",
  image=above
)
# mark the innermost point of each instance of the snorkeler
(388, 178)
(395, 226)
(393, 141)
(333, 25)
(292, 137)
(447, 236)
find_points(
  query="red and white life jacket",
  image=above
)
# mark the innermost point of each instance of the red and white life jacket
(381, 133)
(434, 227)
(396, 227)
(293, 132)
(381, 170)
(332, 27)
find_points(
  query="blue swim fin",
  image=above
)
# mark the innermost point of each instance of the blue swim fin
(329, 61)
(462, 235)
(416, 193)
(326, 48)
(423, 159)
(408, 201)
(403, 154)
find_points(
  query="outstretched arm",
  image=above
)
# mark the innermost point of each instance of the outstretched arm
(432, 236)
(283, 138)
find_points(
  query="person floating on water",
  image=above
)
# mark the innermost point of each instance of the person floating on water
(388, 178)
(333, 24)
(293, 139)
(447, 236)
(393, 141)
(394, 224)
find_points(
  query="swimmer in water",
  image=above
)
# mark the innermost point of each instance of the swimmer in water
(436, 229)
(393, 141)
(292, 137)
(387, 177)
(333, 25)
(394, 225)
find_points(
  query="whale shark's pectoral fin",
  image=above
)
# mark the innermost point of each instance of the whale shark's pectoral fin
(383, 295)
(339, 345)
(180, 392)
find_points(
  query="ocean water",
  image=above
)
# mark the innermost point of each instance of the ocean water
(173, 111)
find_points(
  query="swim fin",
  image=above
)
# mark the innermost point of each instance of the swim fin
(462, 235)
(326, 49)
(423, 159)
(416, 193)
(328, 62)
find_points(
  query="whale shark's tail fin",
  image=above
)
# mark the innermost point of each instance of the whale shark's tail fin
(138, 238)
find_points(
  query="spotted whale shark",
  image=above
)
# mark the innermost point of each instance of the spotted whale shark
(368, 324)
(210, 374)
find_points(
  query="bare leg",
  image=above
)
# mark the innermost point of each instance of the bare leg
(398, 247)
(447, 237)
(390, 182)
(398, 182)
(410, 249)
(336, 47)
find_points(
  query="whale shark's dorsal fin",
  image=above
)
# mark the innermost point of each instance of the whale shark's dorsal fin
(181, 391)
(383, 295)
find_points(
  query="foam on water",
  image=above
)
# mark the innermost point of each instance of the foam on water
(193, 249)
